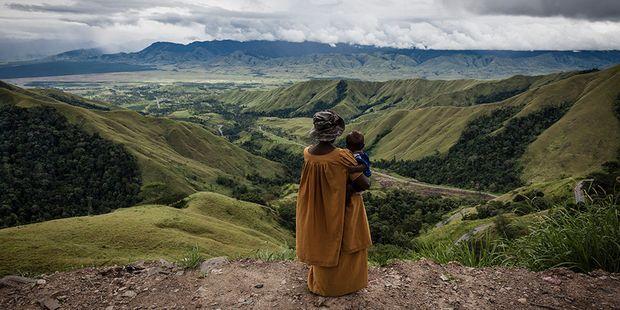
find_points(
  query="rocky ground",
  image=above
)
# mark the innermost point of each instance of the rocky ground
(220, 284)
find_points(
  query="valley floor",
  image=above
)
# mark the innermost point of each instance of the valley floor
(262, 285)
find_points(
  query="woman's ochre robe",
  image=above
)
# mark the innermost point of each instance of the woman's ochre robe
(331, 237)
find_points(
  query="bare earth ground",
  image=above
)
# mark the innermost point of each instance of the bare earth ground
(252, 284)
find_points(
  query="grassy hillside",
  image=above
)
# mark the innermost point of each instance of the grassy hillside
(587, 136)
(578, 143)
(414, 119)
(217, 224)
(413, 134)
(175, 158)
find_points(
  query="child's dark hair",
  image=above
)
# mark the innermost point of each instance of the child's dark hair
(355, 140)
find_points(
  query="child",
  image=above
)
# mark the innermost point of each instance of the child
(355, 144)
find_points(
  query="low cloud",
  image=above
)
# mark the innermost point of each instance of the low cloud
(438, 24)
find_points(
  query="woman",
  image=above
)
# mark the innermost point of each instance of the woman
(332, 238)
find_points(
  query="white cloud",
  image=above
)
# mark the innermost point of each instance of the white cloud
(437, 24)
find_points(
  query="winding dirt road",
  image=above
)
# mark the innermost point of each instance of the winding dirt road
(386, 181)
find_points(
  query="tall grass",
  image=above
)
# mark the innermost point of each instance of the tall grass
(284, 253)
(474, 253)
(191, 259)
(581, 240)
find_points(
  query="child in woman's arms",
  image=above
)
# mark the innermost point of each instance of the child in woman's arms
(355, 144)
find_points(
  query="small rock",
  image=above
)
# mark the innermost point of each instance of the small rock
(49, 303)
(552, 280)
(41, 282)
(153, 271)
(166, 263)
(444, 278)
(320, 302)
(109, 308)
(179, 273)
(130, 294)
(15, 281)
(522, 300)
(136, 267)
(208, 265)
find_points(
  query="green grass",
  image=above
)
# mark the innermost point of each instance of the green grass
(413, 134)
(284, 253)
(298, 127)
(217, 225)
(582, 239)
(555, 190)
(451, 231)
(588, 134)
(192, 258)
(482, 252)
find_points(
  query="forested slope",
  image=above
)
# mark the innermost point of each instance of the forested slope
(174, 158)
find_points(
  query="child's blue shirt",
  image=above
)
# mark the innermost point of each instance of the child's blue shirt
(362, 158)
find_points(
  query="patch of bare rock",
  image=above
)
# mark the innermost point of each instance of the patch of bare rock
(251, 284)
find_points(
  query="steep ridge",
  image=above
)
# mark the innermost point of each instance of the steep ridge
(352, 98)
(175, 158)
(587, 136)
(578, 144)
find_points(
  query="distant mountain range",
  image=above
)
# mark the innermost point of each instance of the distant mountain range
(306, 60)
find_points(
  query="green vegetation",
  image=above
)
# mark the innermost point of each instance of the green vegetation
(397, 217)
(579, 240)
(175, 158)
(587, 136)
(494, 135)
(582, 240)
(486, 154)
(52, 169)
(74, 100)
(216, 224)
(284, 253)
(192, 258)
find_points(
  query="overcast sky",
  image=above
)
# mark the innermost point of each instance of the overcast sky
(130, 25)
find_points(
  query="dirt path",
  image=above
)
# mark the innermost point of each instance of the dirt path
(578, 191)
(250, 284)
(386, 180)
